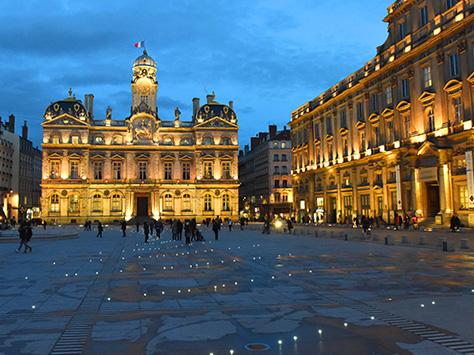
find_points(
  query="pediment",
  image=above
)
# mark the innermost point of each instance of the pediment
(208, 156)
(167, 156)
(142, 156)
(453, 86)
(117, 157)
(65, 120)
(374, 118)
(427, 149)
(388, 112)
(427, 98)
(216, 122)
(55, 156)
(186, 157)
(98, 156)
(75, 156)
(343, 131)
(329, 137)
(360, 124)
(225, 156)
(403, 106)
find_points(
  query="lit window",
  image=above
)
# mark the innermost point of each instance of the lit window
(75, 139)
(116, 203)
(55, 139)
(431, 119)
(142, 167)
(454, 64)
(208, 173)
(96, 203)
(225, 202)
(226, 170)
(99, 139)
(168, 171)
(55, 169)
(427, 77)
(74, 169)
(207, 202)
(168, 202)
(117, 170)
(388, 95)
(457, 105)
(186, 202)
(74, 203)
(463, 198)
(54, 204)
(424, 15)
(186, 171)
(98, 168)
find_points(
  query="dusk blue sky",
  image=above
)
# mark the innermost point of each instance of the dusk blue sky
(269, 57)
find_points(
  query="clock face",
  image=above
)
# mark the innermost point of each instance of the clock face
(144, 72)
(144, 86)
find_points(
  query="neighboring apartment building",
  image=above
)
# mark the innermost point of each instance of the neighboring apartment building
(395, 136)
(264, 173)
(141, 165)
(20, 173)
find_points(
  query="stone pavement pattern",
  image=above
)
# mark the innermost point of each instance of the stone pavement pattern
(115, 295)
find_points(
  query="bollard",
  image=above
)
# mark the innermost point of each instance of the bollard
(422, 240)
(411, 227)
(376, 237)
(464, 243)
(324, 234)
(441, 241)
(341, 234)
(332, 234)
(448, 246)
(389, 240)
(461, 230)
(422, 228)
(345, 237)
(405, 239)
(316, 234)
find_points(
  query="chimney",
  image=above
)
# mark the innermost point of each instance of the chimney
(195, 106)
(211, 98)
(11, 123)
(254, 142)
(262, 136)
(24, 133)
(231, 104)
(86, 102)
(246, 148)
(273, 130)
(91, 106)
(241, 153)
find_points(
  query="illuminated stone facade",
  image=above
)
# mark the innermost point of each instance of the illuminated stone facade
(395, 136)
(141, 166)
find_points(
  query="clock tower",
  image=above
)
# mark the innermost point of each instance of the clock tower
(144, 84)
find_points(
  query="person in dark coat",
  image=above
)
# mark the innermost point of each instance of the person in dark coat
(100, 229)
(22, 235)
(179, 230)
(193, 228)
(159, 228)
(215, 227)
(124, 227)
(188, 231)
(28, 235)
(242, 223)
(146, 230)
(138, 226)
(289, 225)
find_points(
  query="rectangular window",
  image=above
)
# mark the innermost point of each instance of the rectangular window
(380, 205)
(374, 103)
(285, 183)
(55, 170)
(360, 111)
(186, 171)
(450, 3)
(276, 157)
(454, 64)
(55, 203)
(388, 95)
(328, 126)
(74, 170)
(431, 120)
(226, 170)
(457, 105)
(98, 166)
(208, 173)
(427, 77)
(75, 139)
(407, 126)
(402, 30)
(142, 170)
(316, 131)
(363, 145)
(347, 208)
(463, 198)
(117, 170)
(168, 171)
(277, 184)
(365, 204)
(283, 157)
(390, 132)
(393, 199)
(376, 136)
(343, 119)
(404, 88)
(285, 198)
(424, 15)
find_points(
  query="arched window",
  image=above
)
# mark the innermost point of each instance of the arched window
(116, 203)
(207, 202)
(55, 139)
(168, 141)
(185, 141)
(225, 202)
(226, 141)
(168, 203)
(75, 139)
(96, 203)
(99, 139)
(207, 140)
(187, 202)
(54, 203)
(74, 203)
(117, 140)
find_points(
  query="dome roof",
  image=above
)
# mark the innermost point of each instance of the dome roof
(70, 105)
(145, 59)
(213, 109)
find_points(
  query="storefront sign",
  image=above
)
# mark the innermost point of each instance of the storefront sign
(470, 179)
(428, 174)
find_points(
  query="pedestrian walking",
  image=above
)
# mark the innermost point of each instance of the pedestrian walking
(159, 228)
(193, 229)
(289, 225)
(215, 228)
(28, 235)
(179, 229)
(188, 231)
(22, 235)
(230, 225)
(174, 230)
(146, 230)
(100, 229)
(138, 226)
(124, 227)
(242, 223)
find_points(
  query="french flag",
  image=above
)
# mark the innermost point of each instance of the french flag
(140, 44)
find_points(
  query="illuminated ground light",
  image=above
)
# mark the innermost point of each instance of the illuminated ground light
(295, 338)
(258, 346)
(320, 331)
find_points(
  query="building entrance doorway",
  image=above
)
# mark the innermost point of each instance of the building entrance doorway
(332, 218)
(432, 202)
(142, 206)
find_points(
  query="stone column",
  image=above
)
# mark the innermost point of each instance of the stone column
(418, 194)
(355, 197)
(470, 186)
(445, 185)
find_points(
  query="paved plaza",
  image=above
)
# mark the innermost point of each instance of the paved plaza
(288, 294)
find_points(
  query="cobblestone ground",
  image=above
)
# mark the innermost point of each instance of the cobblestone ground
(293, 294)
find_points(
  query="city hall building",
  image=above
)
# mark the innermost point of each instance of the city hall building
(397, 135)
(142, 165)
